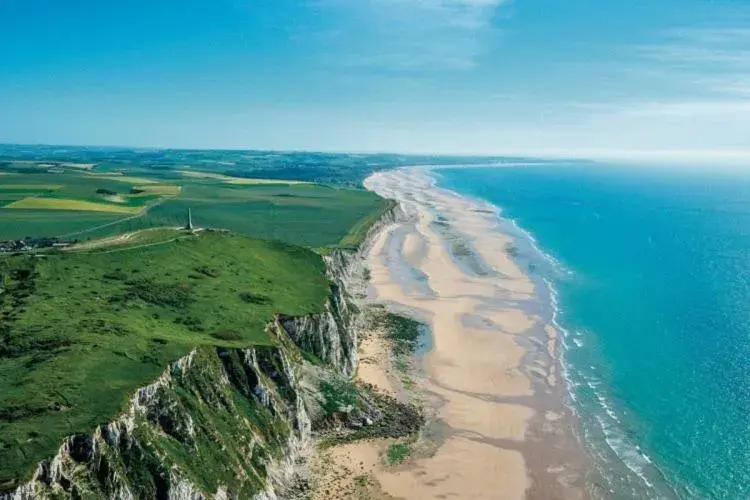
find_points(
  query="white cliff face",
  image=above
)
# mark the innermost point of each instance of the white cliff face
(244, 412)
(333, 336)
(183, 490)
(131, 457)
(330, 336)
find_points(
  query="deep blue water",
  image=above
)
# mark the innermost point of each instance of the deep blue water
(656, 305)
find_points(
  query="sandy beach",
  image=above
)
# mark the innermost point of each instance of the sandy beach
(497, 426)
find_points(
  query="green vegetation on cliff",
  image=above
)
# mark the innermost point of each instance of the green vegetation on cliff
(233, 434)
(82, 330)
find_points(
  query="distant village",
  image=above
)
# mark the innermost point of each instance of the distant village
(29, 244)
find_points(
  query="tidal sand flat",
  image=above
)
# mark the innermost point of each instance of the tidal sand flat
(498, 425)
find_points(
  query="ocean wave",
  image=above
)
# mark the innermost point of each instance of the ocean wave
(556, 265)
(609, 423)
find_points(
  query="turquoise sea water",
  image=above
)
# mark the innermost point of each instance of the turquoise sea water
(653, 291)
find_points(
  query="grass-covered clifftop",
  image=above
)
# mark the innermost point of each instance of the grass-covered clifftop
(82, 330)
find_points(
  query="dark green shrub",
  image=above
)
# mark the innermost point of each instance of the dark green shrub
(252, 298)
(192, 323)
(211, 272)
(227, 335)
(173, 295)
(338, 393)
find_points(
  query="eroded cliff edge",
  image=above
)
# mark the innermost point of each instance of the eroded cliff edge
(221, 423)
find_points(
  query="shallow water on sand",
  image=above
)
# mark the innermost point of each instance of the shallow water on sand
(490, 374)
(652, 288)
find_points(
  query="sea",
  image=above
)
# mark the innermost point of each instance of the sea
(650, 282)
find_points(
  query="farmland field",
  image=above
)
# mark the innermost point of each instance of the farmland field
(128, 179)
(39, 203)
(236, 180)
(156, 189)
(296, 197)
(36, 223)
(339, 169)
(72, 204)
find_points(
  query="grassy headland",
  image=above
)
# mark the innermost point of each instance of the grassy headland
(82, 330)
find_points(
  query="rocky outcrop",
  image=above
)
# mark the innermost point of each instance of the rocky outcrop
(218, 423)
(330, 336)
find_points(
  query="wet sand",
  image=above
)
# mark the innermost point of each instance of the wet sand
(497, 426)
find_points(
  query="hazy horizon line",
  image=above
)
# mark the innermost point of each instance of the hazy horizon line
(657, 156)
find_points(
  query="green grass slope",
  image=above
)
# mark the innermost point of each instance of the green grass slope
(82, 330)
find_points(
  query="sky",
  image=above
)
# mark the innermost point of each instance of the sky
(665, 79)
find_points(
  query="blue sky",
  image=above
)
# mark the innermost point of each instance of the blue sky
(640, 78)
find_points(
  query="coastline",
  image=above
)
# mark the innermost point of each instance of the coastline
(490, 384)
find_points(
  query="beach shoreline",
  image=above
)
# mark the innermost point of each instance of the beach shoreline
(490, 384)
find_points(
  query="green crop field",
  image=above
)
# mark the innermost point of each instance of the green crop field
(235, 180)
(155, 189)
(127, 179)
(309, 215)
(81, 330)
(74, 204)
(39, 203)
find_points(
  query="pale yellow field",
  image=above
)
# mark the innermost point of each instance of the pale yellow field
(32, 163)
(158, 189)
(82, 166)
(236, 180)
(240, 180)
(63, 204)
(124, 178)
(203, 175)
(114, 198)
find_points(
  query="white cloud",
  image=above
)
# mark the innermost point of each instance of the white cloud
(410, 35)
(701, 36)
(687, 92)
(713, 60)
(685, 109)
